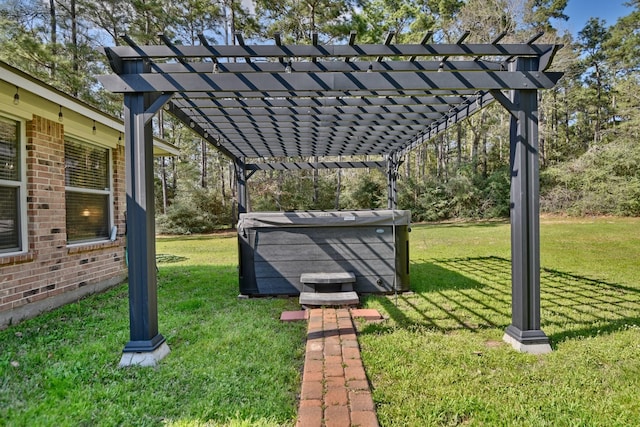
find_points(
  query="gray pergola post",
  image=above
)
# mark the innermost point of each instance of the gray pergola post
(392, 180)
(146, 346)
(524, 333)
(241, 179)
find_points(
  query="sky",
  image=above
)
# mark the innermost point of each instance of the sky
(579, 12)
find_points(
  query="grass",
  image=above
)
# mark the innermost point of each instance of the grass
(232, 361)
(438, 360)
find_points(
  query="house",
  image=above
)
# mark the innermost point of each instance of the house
(62, 197)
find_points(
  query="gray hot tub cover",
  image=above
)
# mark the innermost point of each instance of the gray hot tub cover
(325, 218)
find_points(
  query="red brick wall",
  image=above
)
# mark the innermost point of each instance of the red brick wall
(49, 270)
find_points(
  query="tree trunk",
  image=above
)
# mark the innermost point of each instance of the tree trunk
(407, 167)
(424, 159)
(74, 40)
(163, 177)
(230, 22)
(474, 151)
(233, 20)
(436, 153)
(567, 134)
(53, 28)
(174, 173)
(223, 191)
(226, 25)
(475, 146)
(596, 133)
(459, 146)
(444, 155)
(312, 26)
(485, 171)
(203, 165)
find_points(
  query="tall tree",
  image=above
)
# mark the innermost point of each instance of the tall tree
(109, 17)
(153, 17)
(538, 13)
(623, 42)
(297, 20)
(197, 17)
(410, 20)
(591, 39)
(486, 19)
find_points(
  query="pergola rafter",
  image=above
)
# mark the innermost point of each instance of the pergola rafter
(282, 101)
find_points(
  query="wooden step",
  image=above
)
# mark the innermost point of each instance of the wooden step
(328, 278)
(329, 298)
(328, 282)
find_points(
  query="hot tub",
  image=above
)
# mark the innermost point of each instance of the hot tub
(276, 248)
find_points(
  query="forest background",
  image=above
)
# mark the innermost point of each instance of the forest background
(589, 123)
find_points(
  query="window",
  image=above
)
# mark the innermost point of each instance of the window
(88, 191)
(11, 187)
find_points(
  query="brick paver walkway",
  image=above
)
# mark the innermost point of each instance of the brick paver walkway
(335, 390)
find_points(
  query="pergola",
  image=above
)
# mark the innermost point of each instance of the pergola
(272, 101)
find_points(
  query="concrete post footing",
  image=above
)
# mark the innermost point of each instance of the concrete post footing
(150, 358)
(531, 348)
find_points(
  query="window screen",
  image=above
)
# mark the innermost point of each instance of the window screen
(9, 219)
(9, 154)
(86, 166)
(10, 186)
(87, 216)
(87, 192)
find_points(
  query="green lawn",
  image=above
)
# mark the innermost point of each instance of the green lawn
(437, 360)
(440, 360)
(232, 362)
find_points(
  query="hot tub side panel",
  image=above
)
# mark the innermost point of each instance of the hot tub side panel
(273, 258)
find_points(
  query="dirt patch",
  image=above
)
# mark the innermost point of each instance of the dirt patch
(493, 343)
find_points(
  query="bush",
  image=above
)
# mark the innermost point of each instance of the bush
(425, 199)
(368, 192)
(460, 197)
(292, 190)
(603, 181)
(202, 212)
(497, 194)
(463, 196)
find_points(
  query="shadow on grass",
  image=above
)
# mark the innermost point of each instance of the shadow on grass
(168, 258)
(475, 293)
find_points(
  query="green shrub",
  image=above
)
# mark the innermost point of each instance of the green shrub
(368, 192)
(203, 212)
(497, 194)
(460, 197)
(603, 181)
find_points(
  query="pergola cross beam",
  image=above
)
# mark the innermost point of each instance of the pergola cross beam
(365, 51)
(330, 81)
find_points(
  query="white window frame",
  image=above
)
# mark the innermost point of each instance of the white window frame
(109, 192)
(21, 185)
